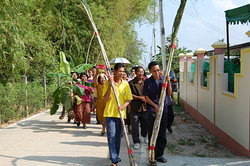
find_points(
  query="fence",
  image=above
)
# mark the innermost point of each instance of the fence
(225, 113)
(20, 99)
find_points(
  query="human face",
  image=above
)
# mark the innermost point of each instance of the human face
(74, 75)
(94, 71)
(156, 72)
(125, 76)
(139, 73)
(101, 80)
(118, 74)
(84, 78)
(133, 72)
(90, 72)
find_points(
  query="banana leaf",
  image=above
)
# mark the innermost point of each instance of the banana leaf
(82, 68)
(67, 101)
(79, 91)
(56, 95)
(64, 64)
(62, 95)
(54, 108)
(86, 84)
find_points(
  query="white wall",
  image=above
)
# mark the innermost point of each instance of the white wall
(230, 112)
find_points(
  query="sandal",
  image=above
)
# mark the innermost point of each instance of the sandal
(113, 164)
(162, 160)
(153, 163)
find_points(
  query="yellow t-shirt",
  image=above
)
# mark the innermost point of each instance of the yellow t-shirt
(124, 94)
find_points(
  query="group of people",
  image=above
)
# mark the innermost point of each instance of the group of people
(138, 98)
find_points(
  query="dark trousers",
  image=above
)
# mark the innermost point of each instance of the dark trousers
(170, 116)
(161, 140)
(139, 119)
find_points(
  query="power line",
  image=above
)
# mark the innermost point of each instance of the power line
(204, 22)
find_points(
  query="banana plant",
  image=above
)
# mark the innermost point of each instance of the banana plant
(64, 93)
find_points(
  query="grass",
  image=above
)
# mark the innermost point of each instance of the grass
(177, 108)
(171, 148)
(189, 142)
(199, 155)
(204, 139)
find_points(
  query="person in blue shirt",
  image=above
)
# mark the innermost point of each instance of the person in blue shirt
(152, 91)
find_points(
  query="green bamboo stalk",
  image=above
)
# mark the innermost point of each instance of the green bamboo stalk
(157, 122)
(130, 152)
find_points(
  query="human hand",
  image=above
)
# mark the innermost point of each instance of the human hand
(121, 108)
(110, 78)
(168, 78)
(143, 99)
(156, 108)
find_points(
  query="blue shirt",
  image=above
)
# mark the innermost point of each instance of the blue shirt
(152, 89)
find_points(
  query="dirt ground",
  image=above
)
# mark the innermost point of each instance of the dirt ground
(190, 139)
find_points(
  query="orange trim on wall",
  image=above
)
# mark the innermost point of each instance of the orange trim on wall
(222, 137)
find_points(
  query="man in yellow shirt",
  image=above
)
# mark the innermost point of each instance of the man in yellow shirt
(113, 121)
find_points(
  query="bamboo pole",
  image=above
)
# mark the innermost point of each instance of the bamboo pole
(89, 48)
(130, 152)
(157, 122)
(163, 39)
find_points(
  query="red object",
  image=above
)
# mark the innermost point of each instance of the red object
(101, 67)
(152, 148)
(130, 151)
(96, 33)
(164, 85)
(175, 80)
(172, 45)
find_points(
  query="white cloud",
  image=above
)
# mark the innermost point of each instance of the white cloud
(224, 4)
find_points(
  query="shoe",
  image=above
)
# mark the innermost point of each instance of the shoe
(161, 160)
(84, 126)
(152, 163)
(136, 146)
(170, 130)
(69, 120)
(102, 133)
(145, 139)
(119, 159)
(78, 124)
(61, 117)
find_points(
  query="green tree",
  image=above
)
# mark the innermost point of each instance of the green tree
(178, 50)
(34, 32)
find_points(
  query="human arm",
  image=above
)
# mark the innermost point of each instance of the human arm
(122, 107)
(149, 101)
(169, 88)
(139, 97)
(107, 94)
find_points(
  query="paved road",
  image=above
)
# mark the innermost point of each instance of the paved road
(44, 140)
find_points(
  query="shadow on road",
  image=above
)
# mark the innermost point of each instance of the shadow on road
(59, 160)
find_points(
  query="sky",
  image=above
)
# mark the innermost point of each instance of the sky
(203, 23)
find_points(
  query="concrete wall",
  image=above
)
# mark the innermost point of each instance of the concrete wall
(225, 114)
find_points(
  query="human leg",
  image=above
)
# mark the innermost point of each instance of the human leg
(143, 119)
(135, 127)
(112, 139)
(119, 131)
(161, 141)
(170, 118)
